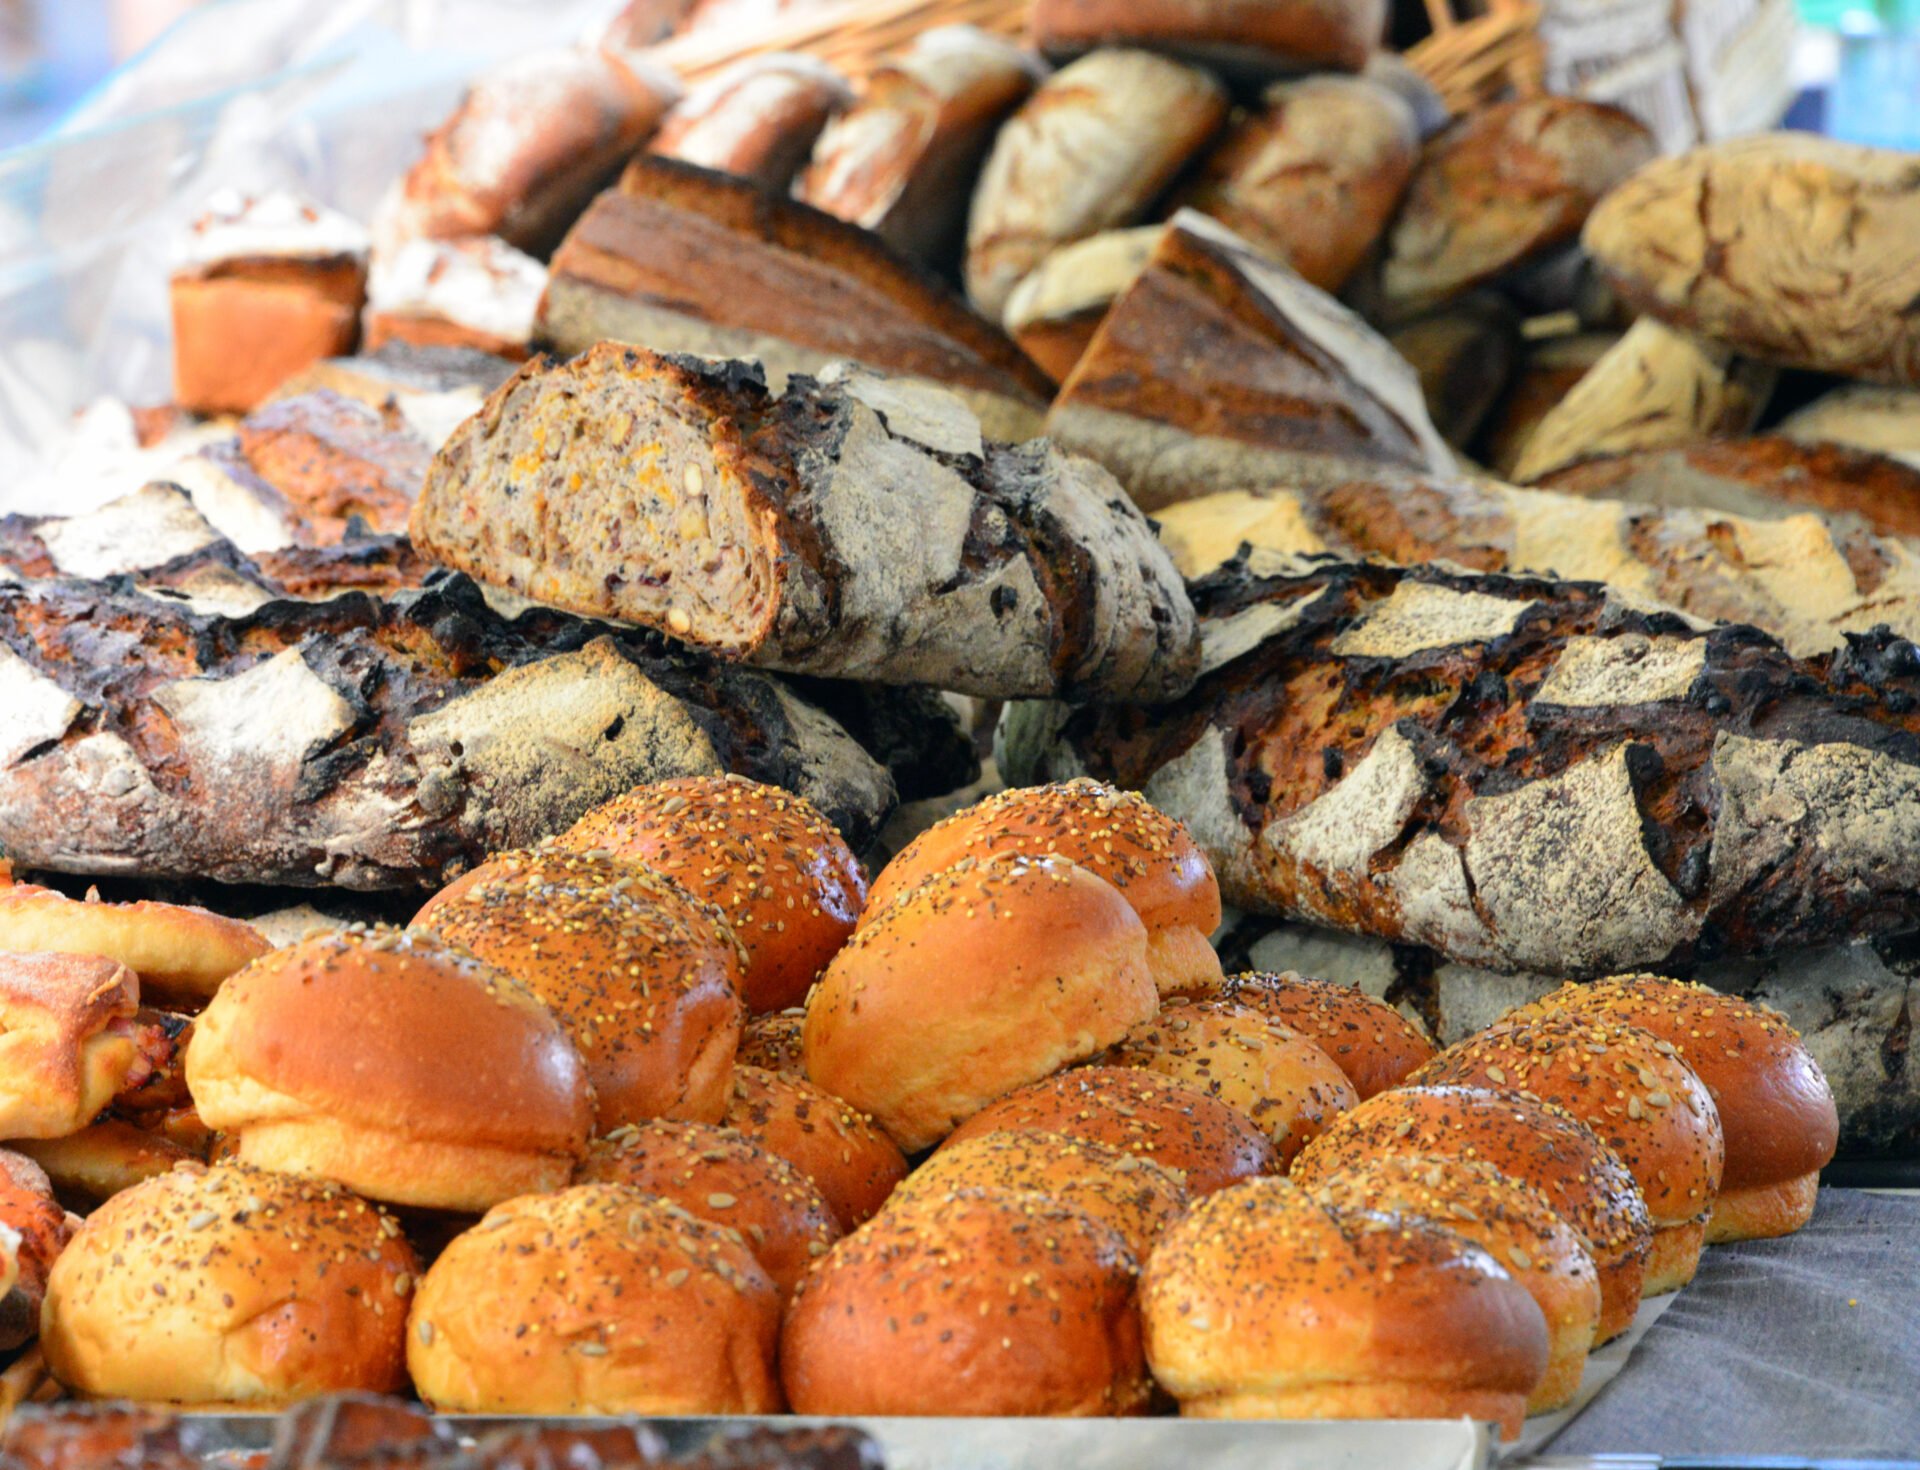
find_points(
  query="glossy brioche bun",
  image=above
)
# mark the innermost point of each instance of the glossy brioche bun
(986, 976)
(1264, 1304)
(102, 1159)
(775, 1041)
(1137, 1112)
(644, 986)
(725, 1178)
(181, 954)
(67, 1042)
(1636, 1094)
(837, 1146)
(1368, 1039)
(970, 1303)
(1512, 1222)
(230, 1285)
(1277, 1077)
(1776, 1110)
(401, 1067)
(1117, 835)
(1525, 1139)
(596, 1300)
(777, 868)
(1135, 1196)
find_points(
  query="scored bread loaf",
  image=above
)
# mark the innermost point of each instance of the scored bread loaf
(1521, 773)
(1059, 304)
(860, 528)
(1241, 36)
(477, 292)
(1465, 354)
(1861, 416)
(1547, 373)
(758, 119)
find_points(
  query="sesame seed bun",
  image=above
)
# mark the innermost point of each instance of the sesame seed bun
(181, 954)
(406, 1069)
(838, 1147)
(230, 1285)
(775, 1041)
(969, 1303)
(67, 1041)
(596, 1300)
(1117, 835)
(985, 976)
(640, 979)
(1368, 1039)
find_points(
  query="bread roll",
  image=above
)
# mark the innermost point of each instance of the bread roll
(1135, 1196)
(1139, 1113)
(396, 1064)
(775, 1042)
(230, 1286)
(181, 954)
(1510, 1220)
(1525, 1139)
(757, 120)
(969, 1303)
(785, 879)
(102, 1159)
(595, 1300)
(40, 1228)
(67, 1041)
(1262, 1303)
(640, 976)
(985, 976)
(727, 1179)
(1261, 36)
(1776, 1111)
(1287, 1085)
(835, 1145)
(1636, 1094)
(1371, 1042)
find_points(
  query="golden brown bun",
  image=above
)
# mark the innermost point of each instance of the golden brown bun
(986, 976)
(777, 868)
(1277, 1077)
(181, 954)
(725, 1178)
(596, 1300)
(1138, 1112)
(1511, 1221)
(1776, 1109)
(969, 1303)
(1114, 834)
(67, 1041)
(399, 1066)
(43, 1227)
(1635, 1093)
(1134, 1196)
(230, 1285)
(1264, 1304)
(1368, 1039)
(644, 986)
(242, 331)
(774, 1041)
(155, 1098)
(837, 1146)
(1524, 1139)
(102, 1159)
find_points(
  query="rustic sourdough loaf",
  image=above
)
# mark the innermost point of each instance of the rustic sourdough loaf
(1059, 304)
(1861, 416)
(1243, 36)
(1465, 354)
(758, 119)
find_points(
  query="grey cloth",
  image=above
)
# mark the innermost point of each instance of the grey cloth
(1808, 1345)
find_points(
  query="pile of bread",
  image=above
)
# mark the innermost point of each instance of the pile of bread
(677, 1113)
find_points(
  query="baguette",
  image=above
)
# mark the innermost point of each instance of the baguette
(757, 120)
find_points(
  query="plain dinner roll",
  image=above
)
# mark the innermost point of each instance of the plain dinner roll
(777, 868)
(405, 1069)
(1148, 856)
(67, 1040)
(837, 1146)
(181, 954)
(595, 1300)
(1368, 1039)
(987, 975)
(970, 1303)
(230, 1285)
(1264, 1304)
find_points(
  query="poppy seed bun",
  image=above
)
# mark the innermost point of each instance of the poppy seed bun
(596, 1300)
(781, 873)
(837, 1146)
(1636, 1094)
(1509, 1220)
(1524, 1139)
(1140, 1113)
(1116, 835)
(969, 1303)
(1368, 1039)
(406, 1069)
(230, 1285)
(1264, 1304)
(1277, 1077)
(67, 1040)
(181, 954)
(1776, 1110)
(985, 976)
(775, 1041)
(644, 986)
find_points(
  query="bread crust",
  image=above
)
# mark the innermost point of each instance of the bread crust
(757, 121)
(67, 1041)
(1367, 1039)
(1267, 35)
(833, 1143)
(181, 954)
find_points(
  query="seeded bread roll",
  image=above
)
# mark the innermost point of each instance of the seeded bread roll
(1371, 1042)
(1257, 36)
(757, 120)
(834, 1144)
(180, 954)
(775, 1042)
(67, 1040)
(968, 1303)
(596, 1300)
(230, 1286)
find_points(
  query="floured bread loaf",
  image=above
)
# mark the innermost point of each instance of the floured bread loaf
(859, 528)
(758, 119)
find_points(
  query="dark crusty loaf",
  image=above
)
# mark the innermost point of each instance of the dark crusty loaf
(1466, 354)
(860, 528)
(681, 259)
(1521, 773)
(758, 119)
(1548, 371)
(1250, 36)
